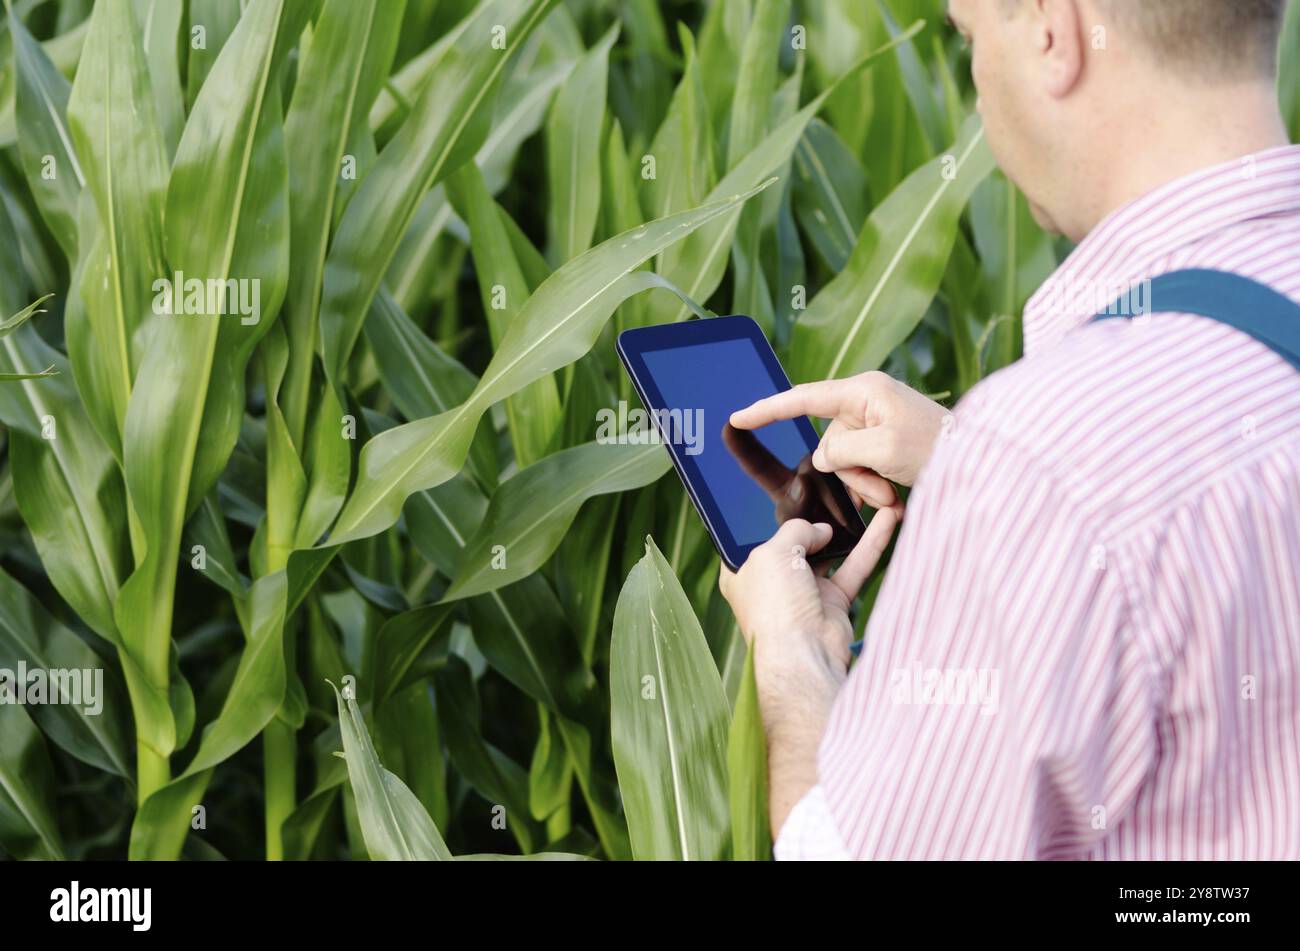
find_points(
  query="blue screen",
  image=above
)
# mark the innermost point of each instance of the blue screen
(706, 383)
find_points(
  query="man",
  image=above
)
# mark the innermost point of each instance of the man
(1088, 642)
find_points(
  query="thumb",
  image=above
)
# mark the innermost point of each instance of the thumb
(862, 561)
(798, 533)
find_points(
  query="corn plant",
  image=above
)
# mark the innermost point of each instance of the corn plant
(332, 287)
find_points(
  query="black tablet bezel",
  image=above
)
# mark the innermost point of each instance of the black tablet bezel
(633, 344)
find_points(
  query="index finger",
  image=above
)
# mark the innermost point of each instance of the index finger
(807, 399)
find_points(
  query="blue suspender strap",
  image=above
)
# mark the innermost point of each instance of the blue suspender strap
(1251, 307)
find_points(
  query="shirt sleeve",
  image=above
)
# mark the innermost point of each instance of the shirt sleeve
(1001, 707)
(809, 833)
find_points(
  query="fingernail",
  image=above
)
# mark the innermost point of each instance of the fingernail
(819, 460)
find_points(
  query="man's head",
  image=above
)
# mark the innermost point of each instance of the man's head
(1086, 101)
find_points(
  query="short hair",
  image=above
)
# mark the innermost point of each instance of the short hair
(1234, 38)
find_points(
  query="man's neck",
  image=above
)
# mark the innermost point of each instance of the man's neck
(1185, 134)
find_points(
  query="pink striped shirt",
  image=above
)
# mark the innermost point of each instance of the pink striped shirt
(1088, 643)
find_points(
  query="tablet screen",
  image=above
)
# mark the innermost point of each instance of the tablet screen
(757, 480)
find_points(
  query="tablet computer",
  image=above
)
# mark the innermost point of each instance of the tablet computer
(691, 377)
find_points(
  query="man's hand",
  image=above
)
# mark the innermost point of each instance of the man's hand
(882, 431)
(797, 620)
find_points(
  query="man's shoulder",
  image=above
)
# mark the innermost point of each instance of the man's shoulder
(1122, 410)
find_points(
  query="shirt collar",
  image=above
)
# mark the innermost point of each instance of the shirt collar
(1136, 241)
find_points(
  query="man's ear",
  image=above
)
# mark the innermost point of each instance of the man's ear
(1058, 40)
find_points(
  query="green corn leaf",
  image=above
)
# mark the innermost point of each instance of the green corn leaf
(70, 494)
(328, 459)
(751, 110)
(530, 514)
(1015, 255)
(831, 197)
(212, 22)
(495, 776)
(573, 152)
(702, 261)
(286, 481)
(63, 51)
(582, 566)
(418, 273)
(34, 247)
(27, 826)
(726, 642)
(598, 789)
(534, 413)
(68, 487)
(395, 824)
(640, 90)
(101, 368)
(550, 778)
(961, 284)
(160, 23)
(722, 41)
(895, 270)
(207, 529)
(114, 126)
(48, 157)
(6, 377)
(1289, 74)
(421, 379)
(255, 695)
(404, 88)
(351, 51)
(756, 79)
(226, 219)
(303, 828)
(622, 212)
(683, 152)
(524, 634)
(751, 831)
(447, 126)
(916, 83)
(784, 257)
(400, 642)
(670, 719)
(418, 375)
(92, 730)
(955, 108)
(525, 100)
(409, 741)
(11, 324)
(685, 529)
(441, 520)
